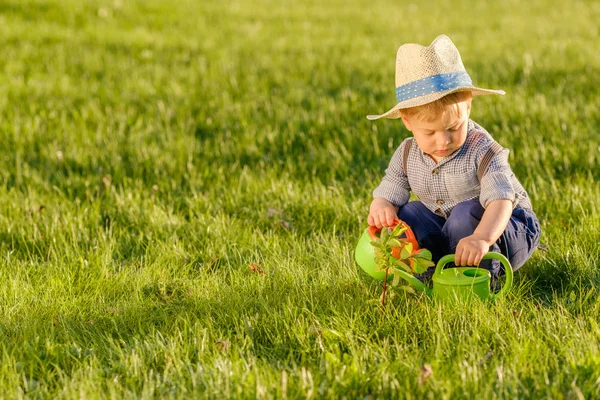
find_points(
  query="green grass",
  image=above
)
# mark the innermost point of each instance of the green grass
(154, 150)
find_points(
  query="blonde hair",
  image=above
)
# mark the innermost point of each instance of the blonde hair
(447, 106)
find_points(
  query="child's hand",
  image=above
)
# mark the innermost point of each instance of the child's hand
(382, 213)
(470, 250)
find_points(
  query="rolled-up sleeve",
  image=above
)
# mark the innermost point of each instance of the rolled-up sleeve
(394, 186)
(496, 184)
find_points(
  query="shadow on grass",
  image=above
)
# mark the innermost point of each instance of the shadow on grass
(556, 278)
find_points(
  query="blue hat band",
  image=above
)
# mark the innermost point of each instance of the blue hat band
(433, 84)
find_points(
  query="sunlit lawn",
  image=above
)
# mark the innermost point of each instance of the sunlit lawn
(183, 183)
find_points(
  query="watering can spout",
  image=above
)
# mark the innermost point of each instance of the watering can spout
(417, 284)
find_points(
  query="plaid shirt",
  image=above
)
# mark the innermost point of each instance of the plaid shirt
(441, 186)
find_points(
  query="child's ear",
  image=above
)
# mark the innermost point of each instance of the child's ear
(469, 107)
(406, 122)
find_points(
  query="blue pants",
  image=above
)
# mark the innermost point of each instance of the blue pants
(441, 236)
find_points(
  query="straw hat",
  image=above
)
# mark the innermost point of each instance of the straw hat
(425, 74)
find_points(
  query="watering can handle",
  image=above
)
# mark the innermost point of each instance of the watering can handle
(489, 256)
(410, 235)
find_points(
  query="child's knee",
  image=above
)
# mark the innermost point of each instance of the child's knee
(409, 212)
(419, 218)
(463, 220)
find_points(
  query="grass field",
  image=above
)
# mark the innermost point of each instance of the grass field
(155, 153)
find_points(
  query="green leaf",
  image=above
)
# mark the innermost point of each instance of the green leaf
(406, 251)
(396, 280)
(383, 236)
(378, 245)
(394, 243)
(402, 265)
(399, 230)
(422, 253)
(421, 265)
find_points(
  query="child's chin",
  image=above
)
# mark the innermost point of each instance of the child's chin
(445, 153)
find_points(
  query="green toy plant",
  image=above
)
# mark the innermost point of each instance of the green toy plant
(394, 254)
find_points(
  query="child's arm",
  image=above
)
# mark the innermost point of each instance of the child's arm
(471, 249)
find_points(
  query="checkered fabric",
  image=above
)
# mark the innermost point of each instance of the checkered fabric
(441, 186)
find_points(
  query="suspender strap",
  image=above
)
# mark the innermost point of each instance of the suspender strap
(405, 155)
(487, 158)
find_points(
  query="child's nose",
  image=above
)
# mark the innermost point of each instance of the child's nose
(444, 138)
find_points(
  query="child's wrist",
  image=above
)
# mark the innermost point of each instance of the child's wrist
(380, 201)
(485, 237)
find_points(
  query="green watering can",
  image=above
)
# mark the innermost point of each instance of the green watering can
(448, 284)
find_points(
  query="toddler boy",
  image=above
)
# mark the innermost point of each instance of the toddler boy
(470, 202)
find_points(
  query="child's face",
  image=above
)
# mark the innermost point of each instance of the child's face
(443, 135)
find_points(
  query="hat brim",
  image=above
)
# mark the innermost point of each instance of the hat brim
(428, 98)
